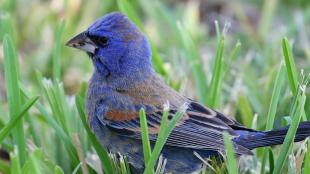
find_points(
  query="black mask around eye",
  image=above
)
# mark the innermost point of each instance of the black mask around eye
(100, 41)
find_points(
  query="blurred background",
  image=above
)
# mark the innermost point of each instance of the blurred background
(185, 36)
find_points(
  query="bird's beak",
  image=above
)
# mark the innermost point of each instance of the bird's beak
(83, 42)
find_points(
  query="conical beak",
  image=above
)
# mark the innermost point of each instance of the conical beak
(83, 42)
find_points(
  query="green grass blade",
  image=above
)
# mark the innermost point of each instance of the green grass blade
(157, 61)
(289, 139)
(162, 128)
(37, 163)
(14, 120)
(164, 122)
(291, 69)
(76, 169)
(57, 127)
(194, 61)
(278, 85)
(32, 130)
(233, 56)
(15, 164)
(269, 7)
(145, 137)
(34, 165)
(5, 25)
(217, 29)
(31, 123)
(58, 170)
(307, 159)
(102, 153)
(264, 160)
(215, 85)
(53, 92)
(231, 160)
(126, 8)
(165, 130)
(2, 114)
(246, 110)
(12, 77)
(290, 65)
(271, 160)
(57, 50)
(279, 82)
(5, 167)
(123, 165)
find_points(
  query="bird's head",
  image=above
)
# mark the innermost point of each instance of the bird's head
(119, 50)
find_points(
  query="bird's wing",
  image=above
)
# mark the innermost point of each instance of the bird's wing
(200, 128)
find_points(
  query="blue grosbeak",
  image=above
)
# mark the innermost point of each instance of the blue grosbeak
(124, 81)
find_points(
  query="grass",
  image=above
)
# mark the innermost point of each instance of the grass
(296, 114)
(57, 50)
(194, 61)
(215, 85)
(12, 76)
(307, 160)
(164, 131)
(13, 122)
(102, 153)
(147, 151)
(232, 167)
(278, 85)
(237, 71)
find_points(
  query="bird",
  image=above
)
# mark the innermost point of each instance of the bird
(124, 81)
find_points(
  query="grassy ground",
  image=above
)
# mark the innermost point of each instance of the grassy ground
(250, 60)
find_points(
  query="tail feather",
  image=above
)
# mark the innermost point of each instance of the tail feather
(254, 140)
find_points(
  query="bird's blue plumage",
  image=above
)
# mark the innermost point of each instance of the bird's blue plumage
(124, 81)
(126, 45)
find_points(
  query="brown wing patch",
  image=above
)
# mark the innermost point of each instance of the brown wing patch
(121, 115)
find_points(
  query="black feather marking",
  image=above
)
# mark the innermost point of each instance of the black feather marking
(274, 137)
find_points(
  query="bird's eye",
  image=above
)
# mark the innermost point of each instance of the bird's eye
(100, 41)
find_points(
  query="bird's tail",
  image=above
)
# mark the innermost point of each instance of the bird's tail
(252, 140)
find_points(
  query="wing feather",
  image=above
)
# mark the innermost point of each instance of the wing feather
(202, 128)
